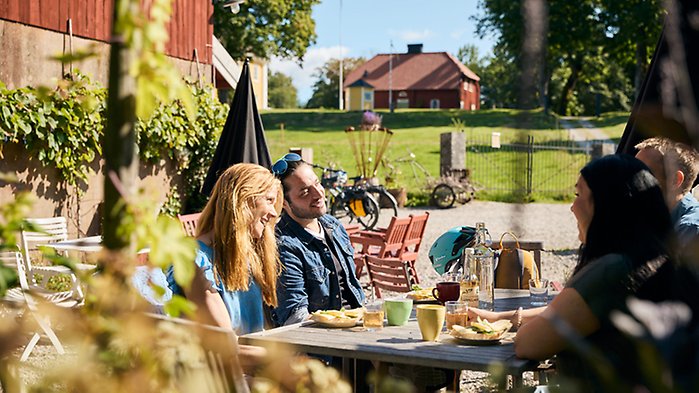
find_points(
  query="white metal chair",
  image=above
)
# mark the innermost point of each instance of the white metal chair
(28, 296)
(54, 229)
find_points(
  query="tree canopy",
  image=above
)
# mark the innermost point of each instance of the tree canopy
(325, 88)
(266, 28)
(591, 48)
(282, 93)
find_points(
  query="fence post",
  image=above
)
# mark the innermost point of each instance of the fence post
(452, 152)
(601, 148)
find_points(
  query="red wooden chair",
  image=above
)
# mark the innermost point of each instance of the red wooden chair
(189, 223)
(390, 244)
(412, 242)
(390, 274)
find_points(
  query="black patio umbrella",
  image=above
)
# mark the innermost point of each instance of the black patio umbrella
(243, 137)
(667, 104)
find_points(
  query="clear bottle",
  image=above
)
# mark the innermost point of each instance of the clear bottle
(483, 256)
(469, 281)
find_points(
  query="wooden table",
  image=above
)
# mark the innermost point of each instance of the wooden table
(402, 344)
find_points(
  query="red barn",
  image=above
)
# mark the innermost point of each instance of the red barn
(417, 80)
(34, 30)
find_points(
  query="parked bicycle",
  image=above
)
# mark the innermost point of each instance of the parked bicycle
(356, 202)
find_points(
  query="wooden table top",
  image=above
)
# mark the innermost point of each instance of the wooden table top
(402, 344)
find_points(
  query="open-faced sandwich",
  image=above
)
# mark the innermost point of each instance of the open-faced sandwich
(337, 318)
(481, 329)
(420, 294)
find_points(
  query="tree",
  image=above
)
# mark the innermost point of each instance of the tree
(282, 94)
(265, 28)
(583, 39)
(468, 55)
(325, 88)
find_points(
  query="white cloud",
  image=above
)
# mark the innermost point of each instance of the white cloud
(302, 78)
(411, 35)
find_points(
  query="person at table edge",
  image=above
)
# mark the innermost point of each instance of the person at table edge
(626, 234)
(676, 165)
(318, 271)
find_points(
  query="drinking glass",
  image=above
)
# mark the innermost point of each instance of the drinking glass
(373, 315)
(457, 314)
(451, 277)
(539, 291)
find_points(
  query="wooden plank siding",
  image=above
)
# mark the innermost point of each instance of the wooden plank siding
(189, 28)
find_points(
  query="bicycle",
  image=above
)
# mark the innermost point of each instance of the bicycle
(348, 203)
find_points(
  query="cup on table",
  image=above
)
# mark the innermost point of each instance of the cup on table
(430, 319)
(398, 311)
(457, 314)
(447, 291)
(539, 291)
(373, 315)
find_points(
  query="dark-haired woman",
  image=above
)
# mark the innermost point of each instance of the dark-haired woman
(624, 227)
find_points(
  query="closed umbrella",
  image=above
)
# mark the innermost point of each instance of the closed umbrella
(667, 104)
(243, 136)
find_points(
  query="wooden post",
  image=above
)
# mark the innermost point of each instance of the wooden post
(119, 145)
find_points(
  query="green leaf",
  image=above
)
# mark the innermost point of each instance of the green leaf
(179, 305)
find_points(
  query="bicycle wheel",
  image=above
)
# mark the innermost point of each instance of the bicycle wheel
(394, 203)
(371, 208)
(340, 210)
(443, 196)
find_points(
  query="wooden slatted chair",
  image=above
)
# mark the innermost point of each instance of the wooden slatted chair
(412, 242)
(222, 372)
(189, 223)
(390, 274)
(389, 243)
(50, 230)
(27, 296)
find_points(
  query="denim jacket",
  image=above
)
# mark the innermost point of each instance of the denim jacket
(307, 268)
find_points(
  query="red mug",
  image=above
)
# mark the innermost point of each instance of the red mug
(447, 291)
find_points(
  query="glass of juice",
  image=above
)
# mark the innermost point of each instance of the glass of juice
(457, 314)
(373, 315)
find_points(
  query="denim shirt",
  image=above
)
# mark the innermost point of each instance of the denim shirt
(685, 217)
(307, 268)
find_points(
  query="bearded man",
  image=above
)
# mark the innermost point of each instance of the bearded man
(318, 271)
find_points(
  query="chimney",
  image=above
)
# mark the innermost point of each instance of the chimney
(414, 48)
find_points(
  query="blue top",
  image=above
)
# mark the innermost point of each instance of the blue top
(244, 307)
(309, 278)
(685, 217)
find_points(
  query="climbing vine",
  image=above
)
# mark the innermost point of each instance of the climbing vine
(63, 127)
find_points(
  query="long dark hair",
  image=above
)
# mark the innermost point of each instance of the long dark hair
(630, 216)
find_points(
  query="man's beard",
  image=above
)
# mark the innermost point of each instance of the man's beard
(306, 214)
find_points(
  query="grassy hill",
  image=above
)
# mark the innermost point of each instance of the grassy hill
(415, 131)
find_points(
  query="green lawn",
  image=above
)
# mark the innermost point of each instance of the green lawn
(415, 131)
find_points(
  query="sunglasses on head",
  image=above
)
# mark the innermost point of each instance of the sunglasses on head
(280, 167)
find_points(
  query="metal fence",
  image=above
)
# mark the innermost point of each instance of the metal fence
(547, 168)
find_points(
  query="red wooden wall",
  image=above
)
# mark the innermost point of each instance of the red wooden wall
(189, 26)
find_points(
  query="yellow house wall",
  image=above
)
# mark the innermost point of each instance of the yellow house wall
(354, 102)
(258, 77)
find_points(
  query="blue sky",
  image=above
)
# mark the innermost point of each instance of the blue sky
(369, 26)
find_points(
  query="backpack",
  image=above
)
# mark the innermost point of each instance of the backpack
(514, 266)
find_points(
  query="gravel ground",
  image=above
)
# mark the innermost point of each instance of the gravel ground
(553, 224)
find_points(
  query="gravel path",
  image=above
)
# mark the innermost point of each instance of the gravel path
(554, 224)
